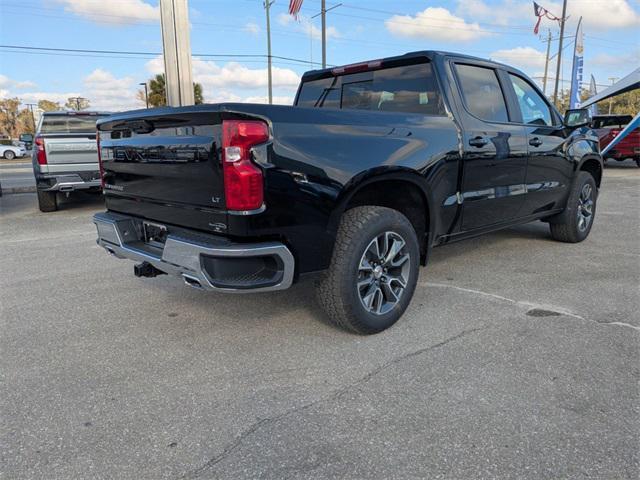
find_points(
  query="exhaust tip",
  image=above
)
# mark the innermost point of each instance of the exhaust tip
(192, 282)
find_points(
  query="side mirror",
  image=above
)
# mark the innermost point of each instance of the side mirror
(579, 117)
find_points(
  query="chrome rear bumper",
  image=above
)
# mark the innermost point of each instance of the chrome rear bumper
(68, 183)
(203, 261)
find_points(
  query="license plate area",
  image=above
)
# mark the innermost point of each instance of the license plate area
(154, 233)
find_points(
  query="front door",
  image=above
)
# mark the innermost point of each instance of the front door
(494, 151)
(550, 171)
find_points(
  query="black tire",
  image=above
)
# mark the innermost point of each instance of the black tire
(338, 289)
(581, 207)
(638, 162)
(47, 201)
(9, 154)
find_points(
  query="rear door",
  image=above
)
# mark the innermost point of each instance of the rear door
(70, 139)
(494, 149)
(549, 171)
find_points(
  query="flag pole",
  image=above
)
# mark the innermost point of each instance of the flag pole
(268, 4)
(559, 64)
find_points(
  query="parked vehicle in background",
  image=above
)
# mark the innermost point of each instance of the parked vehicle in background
(9, 152)
(374, 165)
(26, 139)
(608, 127)
(65, 155)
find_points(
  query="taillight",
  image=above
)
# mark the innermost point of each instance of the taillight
(40, 151)
(100, 166)
(243, 181)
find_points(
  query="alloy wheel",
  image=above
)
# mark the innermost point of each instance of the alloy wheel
(383, 273)
(585, 207)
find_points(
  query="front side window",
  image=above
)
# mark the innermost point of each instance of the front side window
(535, 110)
(409, 88)
(482, 93)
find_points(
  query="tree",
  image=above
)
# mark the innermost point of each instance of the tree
(48, 106)
(77, 103)
(157, 92)
(9, 113)
(624, 104)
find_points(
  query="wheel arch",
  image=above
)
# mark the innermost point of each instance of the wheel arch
(379, 189)
(593, 165)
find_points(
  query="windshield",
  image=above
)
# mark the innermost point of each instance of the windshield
(69, 123)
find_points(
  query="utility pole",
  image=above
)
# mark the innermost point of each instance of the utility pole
(33, 118)
(176, 48)
(146, 93)
(323, 14)
(559, 64)
(546, 63)
(267, 5)
(612, 80)
(77, 101)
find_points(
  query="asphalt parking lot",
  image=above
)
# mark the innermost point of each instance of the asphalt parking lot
(519, 357)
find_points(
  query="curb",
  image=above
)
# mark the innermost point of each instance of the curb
(9, 190)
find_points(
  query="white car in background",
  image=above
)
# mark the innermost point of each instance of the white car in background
(10, 152)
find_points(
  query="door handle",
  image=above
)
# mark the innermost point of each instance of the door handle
(478, 142)
(535, 142)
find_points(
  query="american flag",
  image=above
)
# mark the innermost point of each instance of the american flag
(540, 12)
(294, 7)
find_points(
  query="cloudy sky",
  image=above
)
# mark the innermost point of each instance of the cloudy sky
(226, 33)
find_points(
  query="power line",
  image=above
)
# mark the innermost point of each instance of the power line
(152, 54)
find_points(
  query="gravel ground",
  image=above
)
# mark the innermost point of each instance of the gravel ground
(519, 357)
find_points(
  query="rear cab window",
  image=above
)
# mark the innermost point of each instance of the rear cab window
(72, 123)
(407, 88)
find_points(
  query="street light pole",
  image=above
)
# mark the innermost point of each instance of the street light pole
(146, 94)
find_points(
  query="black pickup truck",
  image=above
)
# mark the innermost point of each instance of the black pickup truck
(375, 164)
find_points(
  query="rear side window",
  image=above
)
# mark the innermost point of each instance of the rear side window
(409, 88)
(482, 93)
(69, 123)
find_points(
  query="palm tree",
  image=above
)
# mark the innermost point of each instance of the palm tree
(157, 92)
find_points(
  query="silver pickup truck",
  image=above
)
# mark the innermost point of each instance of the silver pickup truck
(65, 155)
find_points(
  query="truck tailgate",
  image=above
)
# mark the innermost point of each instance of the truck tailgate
(165, 167)
(71, 149)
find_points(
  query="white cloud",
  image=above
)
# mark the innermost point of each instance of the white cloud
(623, 63)
(35, 97)
(525, 58)
(502, 13)
(107, 92)
(6, 83)
(222, 96)
(216, 80)
(435, 23)
(596, 15)
(252, 28)
(306, 26)
(113, 12)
